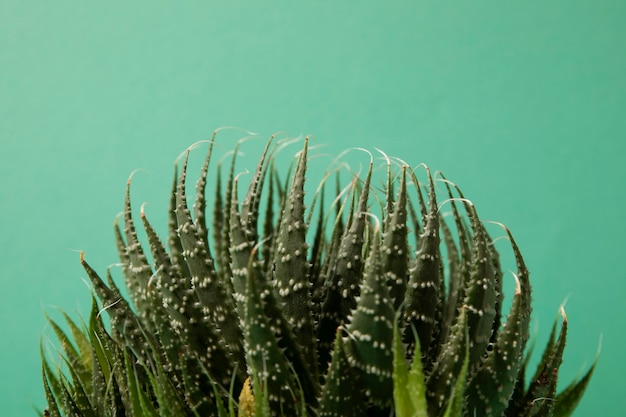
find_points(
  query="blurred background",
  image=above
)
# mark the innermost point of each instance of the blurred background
(522, 104)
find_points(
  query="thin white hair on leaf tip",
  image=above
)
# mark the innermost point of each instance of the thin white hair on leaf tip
(336, 200)
(245, 139)
(416, 182)
(284, 145)
(248, 132)
(518, 285)
(335, 170)
(422, 165)
(217, 144)
(465, 200)
(154, 276)
(134, 171)
(447, 181)
(400, 160)
(318, 155)
(198, 143)
(599, 345)
(81, 254)
(183, 155)
(356, 175)
(280, 133)
(399, 173)
(234, 151)
(348, 333)
(87, 283)
(105, 308)
(244, 172)
(366, 151)
(278, 145)
(115, 265)
(312, 137)
(318, 191)
(385, 156)
(313, 146)
(446, 214)
(402, 164)
(227, 154)
(541, 399)
(440, 178)
(503, 226)
(285, 142)
(338, 157)
(142, 211)
(388, 159)
(376, 219)
(346, 151)
(563, 304)
(505, 237)
(563, 313)
(438, 174)
(190, 148)
(118, 216)
(255, 248)
(50, 350)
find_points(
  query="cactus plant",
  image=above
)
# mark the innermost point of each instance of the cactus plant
(375, 304)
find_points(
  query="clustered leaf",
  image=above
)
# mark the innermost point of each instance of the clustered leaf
(376, 305)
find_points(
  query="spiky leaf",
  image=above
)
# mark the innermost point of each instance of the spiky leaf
(265, 359)
(342, 395)
(291, 266)
(491, 387)
(370, 331)
(409, 391)
(344, 276)
(423, 297)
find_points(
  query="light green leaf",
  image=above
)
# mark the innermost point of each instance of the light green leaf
(409, 391)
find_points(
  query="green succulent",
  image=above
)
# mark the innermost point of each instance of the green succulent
(374, 304)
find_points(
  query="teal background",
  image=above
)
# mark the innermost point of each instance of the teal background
(523, 104)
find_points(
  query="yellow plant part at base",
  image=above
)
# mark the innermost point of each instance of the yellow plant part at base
(246, 400)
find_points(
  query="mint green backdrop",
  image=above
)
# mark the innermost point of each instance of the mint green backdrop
(522, 104)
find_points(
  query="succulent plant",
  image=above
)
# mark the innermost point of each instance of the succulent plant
(375, 304)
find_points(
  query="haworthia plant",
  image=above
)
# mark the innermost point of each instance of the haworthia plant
(377, 305)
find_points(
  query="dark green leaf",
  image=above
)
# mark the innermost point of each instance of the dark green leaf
(370, 331)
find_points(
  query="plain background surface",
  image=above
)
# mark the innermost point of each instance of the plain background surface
(523, 105)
